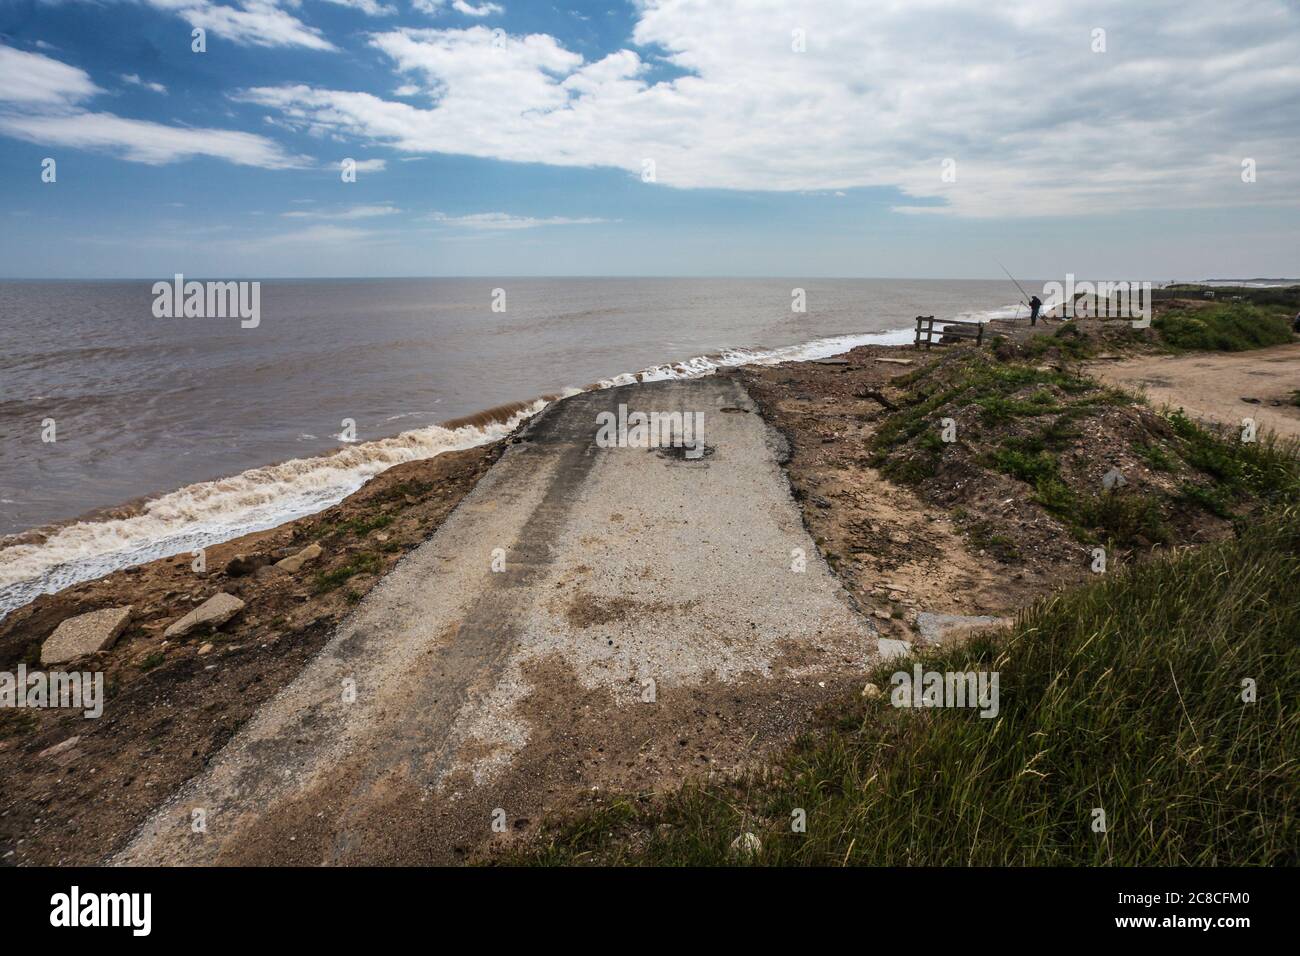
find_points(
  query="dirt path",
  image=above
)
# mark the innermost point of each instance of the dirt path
(655, 617)
(1216, 386)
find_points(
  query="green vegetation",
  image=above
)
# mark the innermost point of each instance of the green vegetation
(1028, 415)
(152, 660)
(975, 379)
(1156, 457)
(363, 562)
(983, 537)
(1267, 468)
(360, 526)
(1233, 327)
(1125, 695)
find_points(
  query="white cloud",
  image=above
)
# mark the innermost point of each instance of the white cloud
(134, 80)
(352, 212)
(460, 6)
(362, 165)
(323, 234)
(252, 22)
(369, 7)
(1036, 121)
(143, 141)
(41, 101)
(34, 79)
(504, 220)
(481, 10)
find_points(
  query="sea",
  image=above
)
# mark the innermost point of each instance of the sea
(126, 437)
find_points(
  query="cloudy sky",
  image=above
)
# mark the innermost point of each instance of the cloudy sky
(931, 138)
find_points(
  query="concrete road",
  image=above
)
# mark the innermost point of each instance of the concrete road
(640, 570)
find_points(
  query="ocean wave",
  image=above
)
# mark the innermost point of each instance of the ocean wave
(50, 559)
(209, 512)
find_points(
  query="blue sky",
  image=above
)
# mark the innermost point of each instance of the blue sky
(927, 138)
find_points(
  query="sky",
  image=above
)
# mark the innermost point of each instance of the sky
(895, 138)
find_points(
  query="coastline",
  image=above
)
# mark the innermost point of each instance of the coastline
(51, 558)
(914, 568)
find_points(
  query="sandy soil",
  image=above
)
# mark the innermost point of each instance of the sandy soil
(898, 555)
(1224, 387)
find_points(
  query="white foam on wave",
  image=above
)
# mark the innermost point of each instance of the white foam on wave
(209, 512)
(1017, 310)
(702, 365)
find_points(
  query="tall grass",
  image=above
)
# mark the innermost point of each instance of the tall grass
(1124, 696)
(1223, 328)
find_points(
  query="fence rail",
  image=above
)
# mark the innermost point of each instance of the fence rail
(952, 328)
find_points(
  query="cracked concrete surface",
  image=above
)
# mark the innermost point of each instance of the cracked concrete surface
(641, 573)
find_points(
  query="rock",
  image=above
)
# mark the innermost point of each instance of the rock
(890, 648)
(883, 615)
(870, 691)
(945, 627)
(746, 845)
(900, 537)
(293, 564)
(242, 564)
(205, 649)
(60, 748)
(215, 611)
(85, 634)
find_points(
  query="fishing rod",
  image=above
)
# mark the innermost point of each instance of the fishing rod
(1025, 300)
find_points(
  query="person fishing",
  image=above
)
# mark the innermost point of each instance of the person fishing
(1034, 302)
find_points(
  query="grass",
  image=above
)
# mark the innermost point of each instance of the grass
(1267, 468)
(1156, 457)
(363, 562)
(976, 379)
(983, 537)
(1234, 327)
(359, 526)
(1048, 404)
(1125, 695)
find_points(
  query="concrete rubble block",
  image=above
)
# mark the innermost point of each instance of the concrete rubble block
(889, 648)
(215, 611)
(85, 634)
(941, 628)
(294, 562)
